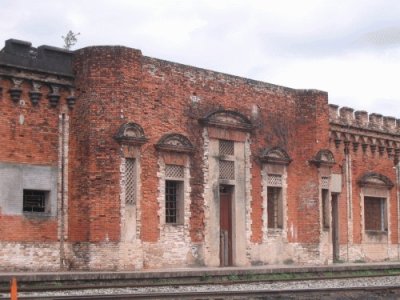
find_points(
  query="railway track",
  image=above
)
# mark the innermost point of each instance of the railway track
(386, 292)
(359, 283)
(212, 280)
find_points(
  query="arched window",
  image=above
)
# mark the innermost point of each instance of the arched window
(274, 173)
(174, 177)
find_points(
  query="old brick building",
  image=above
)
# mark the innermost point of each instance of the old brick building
(114, 160)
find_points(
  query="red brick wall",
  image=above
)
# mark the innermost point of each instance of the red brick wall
(369, 162)
(117, 85)
(33, 142)
(18, 228)
(361, 163)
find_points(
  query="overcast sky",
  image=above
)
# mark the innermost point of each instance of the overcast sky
(351, 49)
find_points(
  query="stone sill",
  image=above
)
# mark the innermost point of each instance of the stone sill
(274, 232)
(37, 215)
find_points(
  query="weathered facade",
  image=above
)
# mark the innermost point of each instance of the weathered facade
(113, 160)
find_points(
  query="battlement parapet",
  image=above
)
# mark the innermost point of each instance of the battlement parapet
(346, 116)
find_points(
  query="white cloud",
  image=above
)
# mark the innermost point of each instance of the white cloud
(348, 48)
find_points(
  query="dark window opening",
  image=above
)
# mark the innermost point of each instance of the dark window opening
(375, 215)
(325, 209)
(275, 213)
(173, 201)
(34, 201)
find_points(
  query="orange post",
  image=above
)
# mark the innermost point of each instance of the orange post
(13, 289)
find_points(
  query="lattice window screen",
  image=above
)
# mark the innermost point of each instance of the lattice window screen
(325, 183)
(226, 147)
(174, 171)
(226, 169)
(274, 180)
(130, 177)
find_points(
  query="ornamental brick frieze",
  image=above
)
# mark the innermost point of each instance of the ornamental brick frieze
(43, 78)
(15, 91)
(356, 142)
(369, 132)
(34, 94)
(37, 89)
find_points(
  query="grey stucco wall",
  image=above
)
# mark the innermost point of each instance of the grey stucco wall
(14, 178)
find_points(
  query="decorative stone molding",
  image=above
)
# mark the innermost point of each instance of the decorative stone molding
(131, 134)
(35, 93)
(383, 144)
(174, 142)
(372, 179)
(71, 99)
(227, 119)
(54, 96)
(380, 134)
(324, 157)
(275, 155)
(16, 91)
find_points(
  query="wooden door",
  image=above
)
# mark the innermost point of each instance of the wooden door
(335, 227)
(225, 227)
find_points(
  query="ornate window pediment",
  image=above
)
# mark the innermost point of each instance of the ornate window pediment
(275, 155)
(227, 119)
(131, 134)
(174, 142)
(373, 179)
(323, 158)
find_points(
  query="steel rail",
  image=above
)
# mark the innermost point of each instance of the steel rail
(227, 294)
(132, 284)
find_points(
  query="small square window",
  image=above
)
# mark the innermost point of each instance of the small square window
(35, 201)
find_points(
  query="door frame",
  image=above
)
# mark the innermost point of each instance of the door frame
(226, 236)
(335, 226)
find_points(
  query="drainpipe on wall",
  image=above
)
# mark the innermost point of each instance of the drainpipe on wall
(348, 192)
(62, 225)
(397, 167)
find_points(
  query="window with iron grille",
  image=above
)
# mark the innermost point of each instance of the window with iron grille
(274, 180)
(274, 208)
(375, 214)
(325, 208)
(174, 171)
(226, 169)
(131, 181)
(173, 202)
(226, 147)
(325, 183)
(34, 201)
